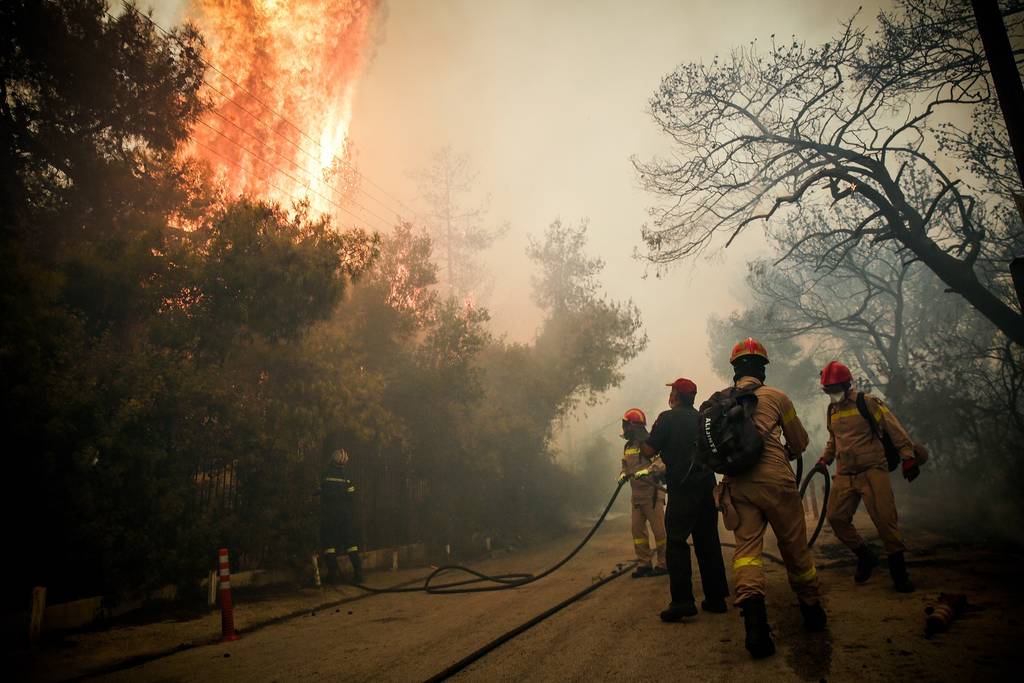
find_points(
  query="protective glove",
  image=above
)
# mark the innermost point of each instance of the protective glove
(622, 477)
(820, 466)
(640, 474)
(911, 469)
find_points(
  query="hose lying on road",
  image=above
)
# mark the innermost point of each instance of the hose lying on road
(502, 581)
(515, 580)
(494, 644)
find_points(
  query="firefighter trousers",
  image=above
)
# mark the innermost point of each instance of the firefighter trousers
(692, 513)
(649, 511)
(759, 504)
(874, 487)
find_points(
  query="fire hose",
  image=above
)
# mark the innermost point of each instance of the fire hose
(824, 502)
(517, 579)
(502, 581)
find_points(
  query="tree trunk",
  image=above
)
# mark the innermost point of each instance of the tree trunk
(1005, 76)
(962, 280)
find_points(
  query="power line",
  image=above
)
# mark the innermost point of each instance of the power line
(271, 110)
(290, 161)
(262, 123)
(235, 163)
(241, 167)
(282, 171)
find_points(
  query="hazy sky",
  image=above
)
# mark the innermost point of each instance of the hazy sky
(548, 98)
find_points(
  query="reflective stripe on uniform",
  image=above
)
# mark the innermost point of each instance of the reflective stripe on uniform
(740, 562)
(336, 480)
(351, 489)
(662, 542)
(639, 541)
(856, 413)
(352, 549)
(804, 577)
(330, 551)
(789, 416)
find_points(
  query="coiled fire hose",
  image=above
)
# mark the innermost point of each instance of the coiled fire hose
(503, 581)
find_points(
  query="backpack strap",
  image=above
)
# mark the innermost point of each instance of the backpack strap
(862, 407)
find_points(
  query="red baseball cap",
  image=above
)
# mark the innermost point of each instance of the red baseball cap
(683, 386)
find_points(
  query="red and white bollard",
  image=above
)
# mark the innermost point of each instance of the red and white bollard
(227, 611)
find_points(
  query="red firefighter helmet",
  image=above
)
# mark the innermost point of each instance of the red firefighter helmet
(635, 416)
(748, 347)
(835, 373)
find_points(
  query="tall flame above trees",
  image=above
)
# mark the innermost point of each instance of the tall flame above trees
(282, 95)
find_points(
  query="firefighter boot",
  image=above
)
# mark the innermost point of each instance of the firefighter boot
(716, 605)
(642, 571)
(815, 618)
(357, 567)
(866, 563)
(898, 570)
(759, 633)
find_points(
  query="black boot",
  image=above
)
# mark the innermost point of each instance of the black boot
(716, 605)
(678, 610)
(641, 571)
(759, 633)
(357, 566)
(898, 571)
(866, 563)
(815, 618)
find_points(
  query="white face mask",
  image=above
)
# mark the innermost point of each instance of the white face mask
(836, 398)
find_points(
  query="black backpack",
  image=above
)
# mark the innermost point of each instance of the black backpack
(892, 454)
(728, 441)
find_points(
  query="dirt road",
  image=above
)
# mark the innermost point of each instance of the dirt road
(615, 634)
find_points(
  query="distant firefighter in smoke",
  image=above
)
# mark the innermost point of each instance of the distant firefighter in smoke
(648, 499)
(337, 530)
(867, 441)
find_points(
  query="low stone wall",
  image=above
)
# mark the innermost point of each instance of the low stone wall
(80, 613)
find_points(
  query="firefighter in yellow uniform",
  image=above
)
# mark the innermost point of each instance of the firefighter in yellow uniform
(862, 472)
(648, 499)
(764, 495)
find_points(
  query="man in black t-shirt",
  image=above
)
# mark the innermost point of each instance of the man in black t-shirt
(691, 507)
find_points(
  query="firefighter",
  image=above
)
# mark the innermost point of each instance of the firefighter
(648, 499)
(691, 507)
(862, 472)
(337, 510)
(766, 495)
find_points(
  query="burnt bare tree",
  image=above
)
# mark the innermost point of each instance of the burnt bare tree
(458, 227)
(762, 137)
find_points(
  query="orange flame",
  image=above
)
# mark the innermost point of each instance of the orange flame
(282, 92)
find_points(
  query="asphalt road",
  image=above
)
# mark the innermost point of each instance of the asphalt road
(614, 633)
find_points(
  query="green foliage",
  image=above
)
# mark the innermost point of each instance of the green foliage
(177, 368)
